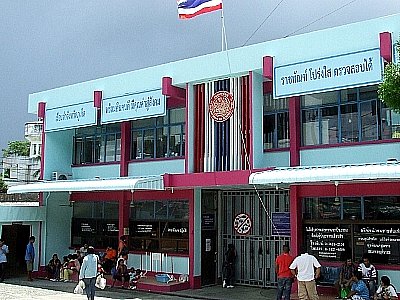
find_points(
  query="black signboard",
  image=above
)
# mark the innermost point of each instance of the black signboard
(327, 242)
(380, 242)
(208, 221)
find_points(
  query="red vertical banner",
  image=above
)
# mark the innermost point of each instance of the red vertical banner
(245, 130)
(199, 129)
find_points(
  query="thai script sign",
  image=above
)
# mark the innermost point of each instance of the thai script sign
(70, 116)
(348, 70)
(135, 106)
(378, 240)
(326, 242)
(281, 224)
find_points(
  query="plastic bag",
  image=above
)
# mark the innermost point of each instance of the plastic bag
(79, 288)
(100, 282)
(343, 293)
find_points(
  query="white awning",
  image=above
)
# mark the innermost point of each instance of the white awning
(276, 176)
(107, 184)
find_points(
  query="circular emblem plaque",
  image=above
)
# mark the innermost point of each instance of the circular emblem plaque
(242, 223)
(221, 106)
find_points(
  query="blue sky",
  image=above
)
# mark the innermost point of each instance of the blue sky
(47, 44)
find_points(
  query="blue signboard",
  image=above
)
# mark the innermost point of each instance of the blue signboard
(280, 223)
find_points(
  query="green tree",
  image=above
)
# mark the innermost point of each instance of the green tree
(18, 148)
(389, 89)
(3, 186)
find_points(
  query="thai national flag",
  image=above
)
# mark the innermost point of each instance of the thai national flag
(190, 8)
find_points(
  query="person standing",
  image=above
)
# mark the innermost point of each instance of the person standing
(3, 259)
(306, 268)
(88, 272)
(369, 274)
(229, 267)
(285, 276)
(30, 257)
(122, 247)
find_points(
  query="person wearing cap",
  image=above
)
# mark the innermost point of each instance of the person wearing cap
(88, 272)
(3, 259)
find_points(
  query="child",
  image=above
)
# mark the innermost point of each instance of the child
(134, 276)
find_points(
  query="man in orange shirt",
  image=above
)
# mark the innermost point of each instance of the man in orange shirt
(285, 276)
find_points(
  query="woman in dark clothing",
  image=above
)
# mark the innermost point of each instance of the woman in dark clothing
(229, 266)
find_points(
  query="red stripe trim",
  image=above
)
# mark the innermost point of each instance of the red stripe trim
(250, 115)
(125, 148)
(385, 42)
(195, 130)
(187, 130)
(245, 120)
(191, 240)
(208, 179)
(295, 220)
(294, 127)
(202, 11)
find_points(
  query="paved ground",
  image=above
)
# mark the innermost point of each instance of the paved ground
(19, 288)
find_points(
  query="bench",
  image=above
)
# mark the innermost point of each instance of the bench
(329, 275)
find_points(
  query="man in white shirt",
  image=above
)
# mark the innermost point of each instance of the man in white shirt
(306, 268)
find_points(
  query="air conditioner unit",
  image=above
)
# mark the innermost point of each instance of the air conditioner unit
(59, 176)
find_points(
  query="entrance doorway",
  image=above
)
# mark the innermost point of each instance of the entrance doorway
(209, 237)
(257, 247)
(16, 237)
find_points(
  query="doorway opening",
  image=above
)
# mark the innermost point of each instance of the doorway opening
(16, 237)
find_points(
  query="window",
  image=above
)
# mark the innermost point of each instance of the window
(95, 223)
(346, 116)
(276, 123)
(160, 226)
(335, 228)
(97, 144)
(159, 137)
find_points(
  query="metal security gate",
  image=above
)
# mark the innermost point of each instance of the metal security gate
(257, 249)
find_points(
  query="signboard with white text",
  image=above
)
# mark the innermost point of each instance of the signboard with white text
(73, 116)
(331, 73)
(134, 106)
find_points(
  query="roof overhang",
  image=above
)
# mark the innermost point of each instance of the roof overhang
(107, 184)
(384, 171)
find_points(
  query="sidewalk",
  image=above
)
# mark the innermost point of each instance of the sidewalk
(211, 292)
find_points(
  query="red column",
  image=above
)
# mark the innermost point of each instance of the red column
(125, 148)
(294, 127)
(296, 224)
(124, 200)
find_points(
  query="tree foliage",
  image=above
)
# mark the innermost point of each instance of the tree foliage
(3, 186)
(18, 148)
(389, 89)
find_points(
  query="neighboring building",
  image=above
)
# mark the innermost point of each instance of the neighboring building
(18, 210)
(25, 169)
(166, 156)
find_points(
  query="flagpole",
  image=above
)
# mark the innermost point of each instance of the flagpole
(224, 42)
(222, 28)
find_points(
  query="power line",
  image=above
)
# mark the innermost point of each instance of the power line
(262, 23)
(319, 19)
